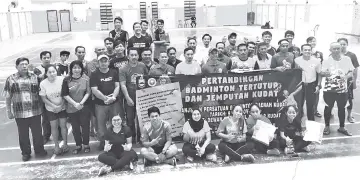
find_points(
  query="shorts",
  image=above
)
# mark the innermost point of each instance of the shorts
(157, 149)
(55, 116)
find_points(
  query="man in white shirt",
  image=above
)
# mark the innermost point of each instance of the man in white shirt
(192, 43)
(189, 66)
(242, 62)
(337, 70)
(311, 68)
(203, 51)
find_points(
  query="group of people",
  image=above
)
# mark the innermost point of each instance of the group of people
(98, 97)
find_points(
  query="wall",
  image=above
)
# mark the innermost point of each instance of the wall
(231, 15)
(14, 25)
(40, 23)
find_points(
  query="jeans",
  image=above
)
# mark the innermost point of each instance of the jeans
(190, 150)
(104, 114)
(262, 148)
(310, 97)
(330, 98)
(23, 125)
(80, 122)
(118, 160)
(235, 150)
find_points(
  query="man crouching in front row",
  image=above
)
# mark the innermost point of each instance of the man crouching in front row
(157, 142)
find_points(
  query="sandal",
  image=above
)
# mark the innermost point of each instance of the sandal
(77, 150)
(86, 149)
(65, 149)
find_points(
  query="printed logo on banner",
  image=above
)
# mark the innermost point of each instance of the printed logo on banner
(152, 82)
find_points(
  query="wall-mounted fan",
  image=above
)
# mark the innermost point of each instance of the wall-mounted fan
(13, 4)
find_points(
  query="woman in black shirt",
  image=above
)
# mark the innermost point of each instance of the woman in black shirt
(290, 132)
(118, 148)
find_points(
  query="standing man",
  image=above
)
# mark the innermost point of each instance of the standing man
(109, 44)
(138, 41)
(23, 103)
(290, 35)
(144, 27)
(213, 66)
(352, 82)
(337, 70)
(147, 58)
(161, 39)
(267, 37)
(128, 75)
(232, 44)
(251, 46)
(220, 46)
(189, 66)
(173, 61)
(262, 58)
(62, 66)
(311, 68)
(162, 68)
(283, 60)
(120, 59)
(104, 83)
(242, 62)
(192, 43)
(118, 34)
(204, 50)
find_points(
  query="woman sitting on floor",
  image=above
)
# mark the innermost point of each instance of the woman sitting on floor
(255, 115)
(291, 134)
(232, 131)
(197, 139)
(118, 148)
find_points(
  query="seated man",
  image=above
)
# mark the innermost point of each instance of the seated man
(157, 142)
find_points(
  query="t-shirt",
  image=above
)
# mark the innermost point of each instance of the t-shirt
(198, 57)
(353, 58)
(129, 74)
(111, 55)
(139, 43)
(226, 60)
(105, 82)
(310, 68)
(159, 70)
(62, 69)
(288, 128)
(160, 36)
(213, 68)
(52, 91)
(229, 49)
(148, 36)
(119, 36)
(164, 132)
(279, 60)
(188, 69)
(227, 126)
(174, 63)
(271, 51)
(90, 66)
(202, 132)
(248, 64)
(262, 63)
(118, 62)
(76, 89)
(337, 82)
(117, 139)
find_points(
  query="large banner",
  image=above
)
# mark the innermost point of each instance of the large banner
(216, 95)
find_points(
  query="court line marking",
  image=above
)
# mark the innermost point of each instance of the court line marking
(96, 156)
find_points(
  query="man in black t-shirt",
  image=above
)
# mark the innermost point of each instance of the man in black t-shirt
(144, 28)
(119, 34)
(351, 82)
(62, 66)
(173, 61)
(267, 37)
(109, 44)
(120, 60)
(104, 83)
(138, 41)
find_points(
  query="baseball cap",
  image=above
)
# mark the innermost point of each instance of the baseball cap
(103, 56)
(232, 34)
(64, 53)
(213, 49)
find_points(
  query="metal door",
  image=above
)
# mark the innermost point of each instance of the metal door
(65, 20)
(52, 18)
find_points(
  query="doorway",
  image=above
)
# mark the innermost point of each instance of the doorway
(65, 20)
(52, 18)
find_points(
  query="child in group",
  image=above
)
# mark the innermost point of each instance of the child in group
(62, 66)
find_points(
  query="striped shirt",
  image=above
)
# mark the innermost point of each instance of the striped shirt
(24, 93)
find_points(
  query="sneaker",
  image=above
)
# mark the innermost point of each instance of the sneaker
(174, 161)
(344, 131)
(26, 157)
(131, 166)
(248, 158)
(227, 159)
(104, 170)
(190, 159)
(288, 150)
(211, 157)
(351, 119)
(326, 130)
(274, 152)
(317, 114)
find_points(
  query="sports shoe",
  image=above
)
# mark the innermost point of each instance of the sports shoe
(26, 157)
(248, 158)
(211, 157)
(104, 170)
(274, 152)
(227, 159)
(190, 159)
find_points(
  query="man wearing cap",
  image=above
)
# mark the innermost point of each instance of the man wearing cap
(62, 66)
(104, 83)
(283, 60)
(213, 66)
(232, 44)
